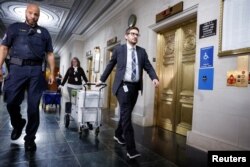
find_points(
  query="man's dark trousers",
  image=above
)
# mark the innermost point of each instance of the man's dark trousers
(127, 101)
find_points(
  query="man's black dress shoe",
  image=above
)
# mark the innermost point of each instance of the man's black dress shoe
(30, 146)
(133, 154)
(16, 133)
(119, 140)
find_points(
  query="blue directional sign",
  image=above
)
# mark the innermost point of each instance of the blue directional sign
(206, 57)
(206, 79)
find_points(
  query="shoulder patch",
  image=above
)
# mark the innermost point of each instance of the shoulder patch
(38, 31)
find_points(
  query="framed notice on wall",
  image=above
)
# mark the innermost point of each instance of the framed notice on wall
(234, 27)
(97, 59)
(208, 29)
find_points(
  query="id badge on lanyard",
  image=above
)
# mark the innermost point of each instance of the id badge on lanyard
(125, 88)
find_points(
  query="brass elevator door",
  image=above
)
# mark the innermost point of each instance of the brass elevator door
(176, 58)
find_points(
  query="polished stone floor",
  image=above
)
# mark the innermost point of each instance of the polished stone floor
(58, 146)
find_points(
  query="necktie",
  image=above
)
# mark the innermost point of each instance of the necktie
(133, 75)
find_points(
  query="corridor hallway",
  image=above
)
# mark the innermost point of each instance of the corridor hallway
(58, 146)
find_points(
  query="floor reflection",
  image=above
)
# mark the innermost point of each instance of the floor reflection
(60, 146)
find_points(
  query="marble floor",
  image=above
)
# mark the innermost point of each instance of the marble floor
(58, 146)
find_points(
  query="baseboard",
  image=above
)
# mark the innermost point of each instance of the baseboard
(141, 120)
(206, 143)
(138, 119)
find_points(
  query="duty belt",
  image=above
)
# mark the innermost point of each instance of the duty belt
(25, 62)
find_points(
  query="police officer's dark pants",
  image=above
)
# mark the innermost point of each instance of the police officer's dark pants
(1, 87)
(127, 101)
(23, 78)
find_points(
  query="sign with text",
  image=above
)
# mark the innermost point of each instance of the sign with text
(170, 11)
(238, 78)
(242, 78)
(206, 57)
(206, 79)
(208, 29)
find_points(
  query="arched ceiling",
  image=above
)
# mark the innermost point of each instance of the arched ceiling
(63, 18)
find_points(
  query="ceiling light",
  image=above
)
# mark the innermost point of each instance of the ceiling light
(16, 11)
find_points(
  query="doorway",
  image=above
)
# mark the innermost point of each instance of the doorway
(90, 69)
(176, 60)
(112, 104)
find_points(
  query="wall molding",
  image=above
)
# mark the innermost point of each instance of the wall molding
(206, 143)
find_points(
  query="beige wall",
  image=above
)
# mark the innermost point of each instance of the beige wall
(143, 113)
(221, 116)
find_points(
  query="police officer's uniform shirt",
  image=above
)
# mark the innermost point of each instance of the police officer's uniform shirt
(128, 71)
(27, 42)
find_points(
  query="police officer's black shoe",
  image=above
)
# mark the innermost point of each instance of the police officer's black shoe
(16, 133)
(30, 145)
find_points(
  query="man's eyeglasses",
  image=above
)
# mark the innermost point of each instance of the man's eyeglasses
(134, 34)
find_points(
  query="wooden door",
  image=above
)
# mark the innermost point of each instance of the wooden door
(90, 69)
(112, 98)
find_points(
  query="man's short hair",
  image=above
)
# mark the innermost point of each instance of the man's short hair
(131, 28)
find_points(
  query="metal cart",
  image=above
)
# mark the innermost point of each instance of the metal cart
(89, 108)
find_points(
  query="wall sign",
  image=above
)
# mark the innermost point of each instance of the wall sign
(231, 78)
(112, 41)
(238, 78)
(208, 29)
(206, 79)
(170, 11)
(206, 57)
(88, 54)
(242, 78)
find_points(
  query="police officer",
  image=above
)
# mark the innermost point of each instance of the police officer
(27, 45)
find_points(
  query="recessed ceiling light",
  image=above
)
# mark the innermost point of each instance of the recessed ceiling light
(17, 11)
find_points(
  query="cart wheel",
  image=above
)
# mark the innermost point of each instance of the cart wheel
(80, 133)
(59, 110)
(97, 130)
(86, 131)
(66, 120)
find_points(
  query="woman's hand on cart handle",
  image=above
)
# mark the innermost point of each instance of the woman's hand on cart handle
(89, 83)
(99, 83)
(60, 87)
